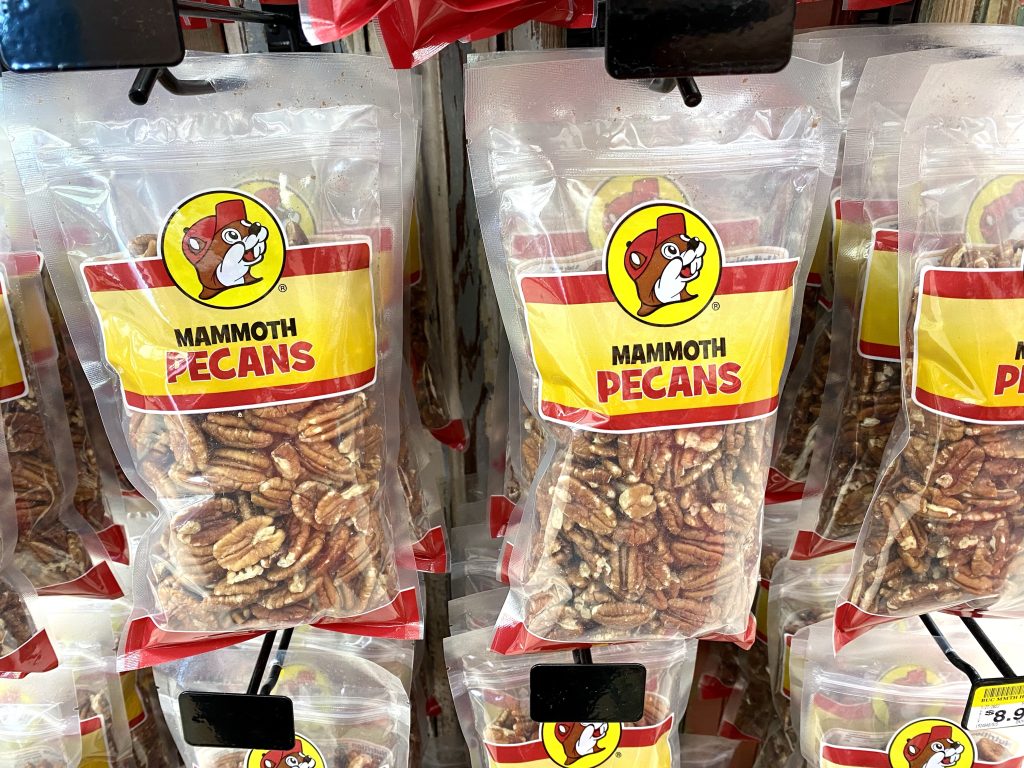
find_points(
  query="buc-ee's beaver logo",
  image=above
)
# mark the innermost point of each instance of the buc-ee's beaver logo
(303, 754)
(223, 248)
(997, 212)
(664, 263)
(931, 743)
(582, 745)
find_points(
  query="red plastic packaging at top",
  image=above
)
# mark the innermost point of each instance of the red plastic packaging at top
(324, 21)
(414, 30)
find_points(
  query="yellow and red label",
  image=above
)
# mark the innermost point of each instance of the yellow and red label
(12, 369)
(95, 751)
(879, 336)
(602, 368)
(312, 336)
(922, 743)
(133, 706)
(969, 347)
(588, 745)
(302, 753)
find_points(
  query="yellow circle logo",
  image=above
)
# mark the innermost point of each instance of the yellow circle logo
(997, 212)
(664, 263)
(223, 248)
(581, 745)
(615, 197)
(931, 743)
(303, 754)
(911, 675)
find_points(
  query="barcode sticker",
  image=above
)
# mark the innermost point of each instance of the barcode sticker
(995, 704)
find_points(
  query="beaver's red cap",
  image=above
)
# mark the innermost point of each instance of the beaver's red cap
(669, 225)
(922, 740)
(275, 756)
(204, 229)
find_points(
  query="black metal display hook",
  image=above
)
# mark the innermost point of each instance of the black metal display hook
(982, 639)
(686, 86)
(148, 77)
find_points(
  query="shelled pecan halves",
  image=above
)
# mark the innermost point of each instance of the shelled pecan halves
(946, 524)
(16, 625)
(281, 519)
(866, 421)
(649, 534)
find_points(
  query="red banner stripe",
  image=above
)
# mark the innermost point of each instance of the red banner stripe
(809, 545)
(887, 240)
(883, 351)
(499, 512)
(90, 725)
(11, 391)
(431, 552)
(851, 756)
(680, 417)
(303, 260)
(34, 655)
(952, 407)
(593, 287)
(970, 284)
(98, 581)
(250, 398)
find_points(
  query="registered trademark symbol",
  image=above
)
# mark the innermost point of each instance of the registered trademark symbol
(618, 754)
(715, 305)
(282, 288)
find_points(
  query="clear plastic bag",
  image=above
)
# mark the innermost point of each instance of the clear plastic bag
(942, 530)
(420, 470)
(643, 522)
(349, 711)
(436, 388)
(706, 751)
(82, 633)
(38, 721)
(259, 432)
(748, 709)
(890, 686)
(492, 694)
(864, 370)
(476, 561)
(152, 744)
(478, 610)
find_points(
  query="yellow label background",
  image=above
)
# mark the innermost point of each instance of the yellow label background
(94, 748)
(880, 310)
(12, 373)
(572, 342)
(333, 311)
(961, 343)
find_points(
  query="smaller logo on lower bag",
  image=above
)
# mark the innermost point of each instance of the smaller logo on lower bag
(581, 745)
(931, 743)
(303, 754)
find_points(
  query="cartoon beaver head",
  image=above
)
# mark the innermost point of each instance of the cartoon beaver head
(224, 248)
(662, 261)
(288, 758)
(579, 739)
(935, 749)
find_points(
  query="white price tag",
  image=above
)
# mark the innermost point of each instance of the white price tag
(996, 704)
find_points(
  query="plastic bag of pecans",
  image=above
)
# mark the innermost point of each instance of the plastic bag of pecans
(55, 548)
(651, 318)
(864, 371)
(492, 697)
(236, 304)
(943, 530)
(888, 696)
(349, 711)
(83, 636)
